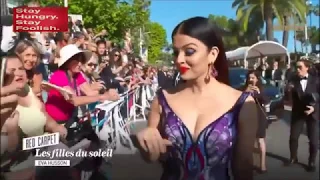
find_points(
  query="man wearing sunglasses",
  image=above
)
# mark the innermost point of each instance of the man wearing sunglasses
(305, 109)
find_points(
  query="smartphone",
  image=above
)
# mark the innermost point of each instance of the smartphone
(3, 71)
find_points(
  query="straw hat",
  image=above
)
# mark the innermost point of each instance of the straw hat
(70, 50)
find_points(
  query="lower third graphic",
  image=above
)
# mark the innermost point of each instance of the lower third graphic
(52, 163)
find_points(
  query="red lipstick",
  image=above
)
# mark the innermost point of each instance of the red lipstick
(183, 69)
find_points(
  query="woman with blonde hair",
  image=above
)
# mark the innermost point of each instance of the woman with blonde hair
(29, 54)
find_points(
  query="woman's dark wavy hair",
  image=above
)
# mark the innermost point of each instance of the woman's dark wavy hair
(203, 30)
(257, 74)
(112, 61)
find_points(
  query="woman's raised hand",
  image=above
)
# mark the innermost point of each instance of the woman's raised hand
(9, 101)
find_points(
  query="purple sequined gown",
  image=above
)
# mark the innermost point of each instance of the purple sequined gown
(208, 157)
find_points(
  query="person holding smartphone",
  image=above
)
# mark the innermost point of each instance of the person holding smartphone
(29, 119)
(8, 101)
(9, 115)
(254, 86)
(9, 97)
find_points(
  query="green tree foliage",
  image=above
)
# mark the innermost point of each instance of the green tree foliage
(157, 40)
(269, 10)
(300, 36)
(314, 37)
(235, 36)
(113, 15)
(314, 9)
(230, 41)
(166, 58)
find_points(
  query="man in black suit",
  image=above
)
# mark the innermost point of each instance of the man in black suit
(305, 109)
(177, 78)
(164, 80)
(275, 73)
(262, 69)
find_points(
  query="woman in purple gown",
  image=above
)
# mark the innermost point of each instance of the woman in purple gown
(202, 129)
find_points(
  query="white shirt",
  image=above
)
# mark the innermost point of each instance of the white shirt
(177, 79)
(303, 83)
(272, 73)
(7, 41)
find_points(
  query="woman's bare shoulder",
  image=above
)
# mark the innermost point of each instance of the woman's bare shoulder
(173, 91)
(230, 92)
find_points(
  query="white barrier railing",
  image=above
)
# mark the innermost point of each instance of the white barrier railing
(114, 129)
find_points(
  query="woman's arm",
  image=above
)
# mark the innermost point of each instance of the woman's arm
(242, 163)
(116, 71)
(51, 124)
(101, 67)
(155, 113)
(53, 45)
(99, 34)
(83, 100)
(37, 79)
(262, 99)
(87, 90)
(25, 174)
(11, 129)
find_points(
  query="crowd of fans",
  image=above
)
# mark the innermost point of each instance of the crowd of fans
(52, 77)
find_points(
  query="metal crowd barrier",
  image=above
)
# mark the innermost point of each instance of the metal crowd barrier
(111, 121)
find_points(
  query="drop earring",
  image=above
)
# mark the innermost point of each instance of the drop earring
(207, 78)
(214, 72)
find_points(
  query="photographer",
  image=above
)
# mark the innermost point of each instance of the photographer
(254, 86)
